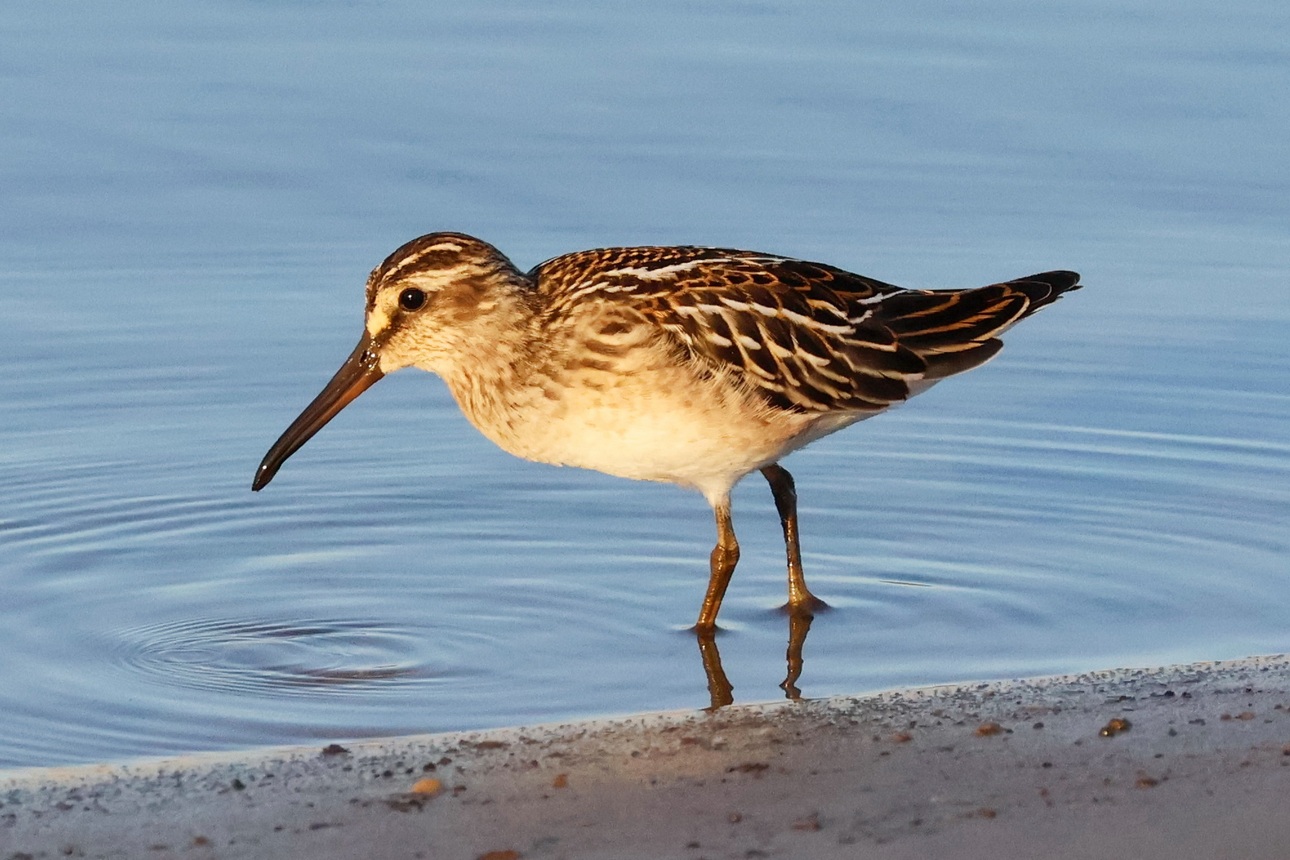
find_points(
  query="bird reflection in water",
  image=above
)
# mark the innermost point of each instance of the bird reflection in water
(721, 692)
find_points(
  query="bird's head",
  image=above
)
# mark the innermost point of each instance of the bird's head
(426, 304)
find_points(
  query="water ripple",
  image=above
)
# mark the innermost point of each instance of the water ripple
(284, 658)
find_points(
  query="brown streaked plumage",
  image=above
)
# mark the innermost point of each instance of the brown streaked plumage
(683, 364)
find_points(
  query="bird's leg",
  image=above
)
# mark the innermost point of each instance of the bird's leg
(725, 555)
(800, 599)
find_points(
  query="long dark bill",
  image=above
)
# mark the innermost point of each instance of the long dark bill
(359, 373)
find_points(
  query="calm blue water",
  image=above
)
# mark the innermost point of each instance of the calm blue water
(193, 196)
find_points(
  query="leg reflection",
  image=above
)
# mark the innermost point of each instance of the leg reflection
(798, 626)
(719, 690)
(722, 693)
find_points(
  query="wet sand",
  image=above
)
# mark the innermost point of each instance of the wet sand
(1186, 761)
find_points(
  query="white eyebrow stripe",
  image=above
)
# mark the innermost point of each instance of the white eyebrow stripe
(442, 246)
(408, 262)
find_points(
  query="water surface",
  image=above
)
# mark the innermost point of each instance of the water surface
(193, 200)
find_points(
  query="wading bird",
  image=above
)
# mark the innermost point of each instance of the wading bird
(690, 365)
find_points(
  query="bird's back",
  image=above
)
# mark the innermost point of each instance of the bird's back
(807, 337)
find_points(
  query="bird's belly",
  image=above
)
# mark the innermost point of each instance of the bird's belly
(676, 447)
(662, 427)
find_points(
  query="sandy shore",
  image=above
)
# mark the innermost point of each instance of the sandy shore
(1187, 761)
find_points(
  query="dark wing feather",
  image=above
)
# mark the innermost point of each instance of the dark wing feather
(809, 337)
(956, 330)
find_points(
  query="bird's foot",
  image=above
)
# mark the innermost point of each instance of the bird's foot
(805, 606)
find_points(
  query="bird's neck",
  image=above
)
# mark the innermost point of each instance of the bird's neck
(492, 376)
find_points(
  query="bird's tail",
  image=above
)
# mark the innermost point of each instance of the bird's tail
(1045, 288)
(956, 330)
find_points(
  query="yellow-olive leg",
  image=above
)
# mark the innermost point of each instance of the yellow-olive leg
(725, 555)
(800, 599)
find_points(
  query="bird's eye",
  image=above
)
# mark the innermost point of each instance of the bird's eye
(412, 299)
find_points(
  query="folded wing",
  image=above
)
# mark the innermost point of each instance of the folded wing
(808, 337)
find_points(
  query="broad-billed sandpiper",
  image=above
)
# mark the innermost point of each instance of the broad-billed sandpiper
(690, 365)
